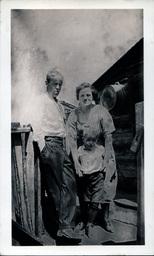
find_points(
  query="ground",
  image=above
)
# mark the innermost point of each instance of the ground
(123, 213)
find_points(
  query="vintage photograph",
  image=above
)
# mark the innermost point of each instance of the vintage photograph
(77, 127)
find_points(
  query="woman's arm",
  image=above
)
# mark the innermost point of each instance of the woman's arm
(74, 152)
(107, 126)
(72, 137)
(108, 149)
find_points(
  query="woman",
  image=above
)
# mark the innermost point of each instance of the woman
(87, 114)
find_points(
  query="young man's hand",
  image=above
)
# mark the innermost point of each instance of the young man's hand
(41, 145)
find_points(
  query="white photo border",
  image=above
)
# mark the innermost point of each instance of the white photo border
(5, 108)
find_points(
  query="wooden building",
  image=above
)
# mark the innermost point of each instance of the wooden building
(120, 89)
(67, 107)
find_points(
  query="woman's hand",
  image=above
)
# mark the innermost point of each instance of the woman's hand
(78, 168)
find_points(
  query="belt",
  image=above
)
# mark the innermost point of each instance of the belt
(48, 138)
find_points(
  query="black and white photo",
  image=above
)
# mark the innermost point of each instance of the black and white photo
(79, 94)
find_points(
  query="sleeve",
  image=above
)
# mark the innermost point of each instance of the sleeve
(72, 126)
(102, 151)
(62, 109)
(106, 121)
(79, 154)
(79, 150)
(37, 119)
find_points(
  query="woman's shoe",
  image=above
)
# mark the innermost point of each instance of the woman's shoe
(89, 231)
(108, 226)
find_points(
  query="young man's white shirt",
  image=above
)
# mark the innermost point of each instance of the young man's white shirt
(48, 119)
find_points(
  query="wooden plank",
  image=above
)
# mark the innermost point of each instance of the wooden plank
(139, 109)
(131, 174)
(137, 140)
(30, 177)
(16, 141)
(16, 190)
(125, 155)
(122, 140)
(122, 202)
(123, 121)
(21, 130)
(24, 165)
(23, 237)
(140, 196)
(128, 166)
(37, 193)
(122, 130)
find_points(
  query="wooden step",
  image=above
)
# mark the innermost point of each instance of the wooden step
(125, 211)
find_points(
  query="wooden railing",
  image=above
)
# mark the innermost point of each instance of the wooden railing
(26, 185)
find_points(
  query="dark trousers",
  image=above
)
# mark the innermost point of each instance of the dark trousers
(89, 209)
(80, 192)
(60, 183)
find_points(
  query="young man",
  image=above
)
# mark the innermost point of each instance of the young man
(50, 134)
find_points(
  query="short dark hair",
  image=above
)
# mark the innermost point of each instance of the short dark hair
(87, 85)
(90, 132)
(53, 74)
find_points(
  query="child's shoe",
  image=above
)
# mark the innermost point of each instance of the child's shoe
(89, 230)
(80, 226)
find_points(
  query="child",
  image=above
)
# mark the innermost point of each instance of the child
(91, 159)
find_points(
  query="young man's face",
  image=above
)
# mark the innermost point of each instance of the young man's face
(54, 87)
(89, 142)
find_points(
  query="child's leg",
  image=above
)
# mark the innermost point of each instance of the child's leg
(84, 213)
(80, 192)
(93, 210)
(83, 210)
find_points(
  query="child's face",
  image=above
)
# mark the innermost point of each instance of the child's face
(89, 142)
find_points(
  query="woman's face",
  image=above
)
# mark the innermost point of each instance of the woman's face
(85, 97)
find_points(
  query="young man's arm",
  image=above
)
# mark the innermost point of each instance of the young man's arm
(37, 123)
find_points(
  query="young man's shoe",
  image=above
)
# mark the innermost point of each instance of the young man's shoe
(70, 234)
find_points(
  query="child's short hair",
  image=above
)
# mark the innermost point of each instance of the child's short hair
(89, 133)
(52, 75)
